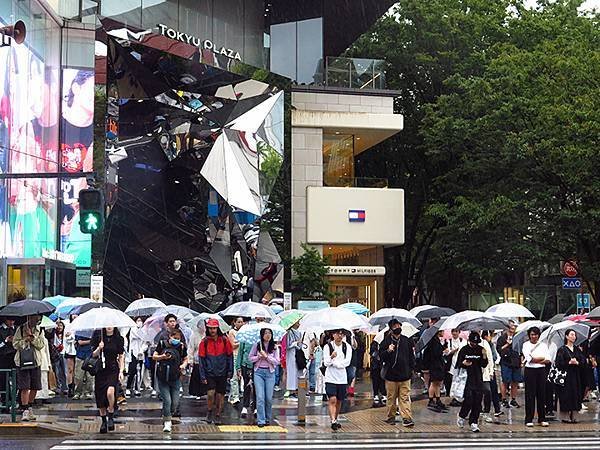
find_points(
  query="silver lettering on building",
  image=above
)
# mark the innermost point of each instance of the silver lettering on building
(206, 44)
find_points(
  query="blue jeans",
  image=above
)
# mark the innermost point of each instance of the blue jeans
(169, 392)
(58, 365)
(312, 376)
(278, 371)
(264, 382)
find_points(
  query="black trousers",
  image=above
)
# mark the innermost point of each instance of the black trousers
(535, 392)
(550, 393)
(134, 374)
(471, 405)
(249, 393)
(377, 382)
(447, 382)
(490, 396)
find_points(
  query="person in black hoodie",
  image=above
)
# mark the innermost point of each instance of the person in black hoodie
(433, 358)
(398, 358)
(379, 394)
(472, 358)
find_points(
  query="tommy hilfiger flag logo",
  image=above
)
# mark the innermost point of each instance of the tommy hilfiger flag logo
(356, 215)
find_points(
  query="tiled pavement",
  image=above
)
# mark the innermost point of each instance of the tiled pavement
(142, 416)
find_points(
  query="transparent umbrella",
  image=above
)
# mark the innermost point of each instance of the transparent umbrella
(248, 309)
(384, 315)
(99, 318)
(144, 307)
(521, 333)
(333, 319)
(509, 310)
(199, 323)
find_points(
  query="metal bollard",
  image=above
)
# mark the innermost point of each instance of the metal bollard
(302, 388)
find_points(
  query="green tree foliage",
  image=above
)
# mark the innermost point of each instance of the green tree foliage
(499, 153)
(309, 277)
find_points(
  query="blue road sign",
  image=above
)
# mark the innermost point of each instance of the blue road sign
(583, 301)
(571, 283)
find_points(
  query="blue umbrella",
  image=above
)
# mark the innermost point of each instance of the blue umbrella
(56, 300)
(357, 308)
(250, 333)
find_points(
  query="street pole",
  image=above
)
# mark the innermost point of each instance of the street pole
(302, 388)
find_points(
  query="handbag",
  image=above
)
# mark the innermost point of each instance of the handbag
(459, 382)
(557, 376)
(27, 359)
(92, 365)
(301, 362)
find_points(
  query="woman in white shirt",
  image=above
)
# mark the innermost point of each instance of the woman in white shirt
(536, 355)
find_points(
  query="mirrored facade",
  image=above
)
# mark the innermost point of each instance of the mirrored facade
(193, 153)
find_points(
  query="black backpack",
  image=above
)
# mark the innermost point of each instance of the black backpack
(167, 370)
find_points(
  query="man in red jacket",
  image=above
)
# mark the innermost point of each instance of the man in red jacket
(216, 368)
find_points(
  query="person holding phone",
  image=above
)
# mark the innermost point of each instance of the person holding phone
(265, 356)
(171, 361)
(473, 359)
(510, 367)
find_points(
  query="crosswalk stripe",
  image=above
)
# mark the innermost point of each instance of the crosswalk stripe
(575, 443)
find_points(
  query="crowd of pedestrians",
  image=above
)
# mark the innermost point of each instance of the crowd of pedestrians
(110, 368)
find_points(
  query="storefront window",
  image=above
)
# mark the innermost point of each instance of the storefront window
(338, 160)
(25, 282)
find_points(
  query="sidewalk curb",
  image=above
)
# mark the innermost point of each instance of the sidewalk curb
(33, 429)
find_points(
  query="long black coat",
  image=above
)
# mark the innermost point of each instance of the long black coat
(569, 395)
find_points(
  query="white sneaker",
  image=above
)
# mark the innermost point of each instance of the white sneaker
(544, 424)
(383, 399)
(475, 428)
(167, 427)
(127, 393)
(153, 394)
(529, 424)
(25, 416)
(489, 419)
(244, 412)
(460, 422)
(584, 407)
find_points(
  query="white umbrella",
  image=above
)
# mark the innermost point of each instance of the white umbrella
(384, 315)
(474, 321)
(248, 309)
(408, 330)
(333, 319)
(555, 334)
(144, 307)
(182, 312)
(199, 322)
(521, 333)
(98, 318)
(156, 323)
(509, 310)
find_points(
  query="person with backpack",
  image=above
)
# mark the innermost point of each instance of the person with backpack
(216, 368)
(397, 354)
(378, 383)
(265, 356)
(171, 360)
(28, 342)
(336, 359)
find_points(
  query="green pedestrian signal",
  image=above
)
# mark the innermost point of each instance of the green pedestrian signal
(91, 211)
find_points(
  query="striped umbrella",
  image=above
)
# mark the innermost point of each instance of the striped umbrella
(355, 307)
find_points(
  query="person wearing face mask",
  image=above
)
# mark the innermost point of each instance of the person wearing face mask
(136, 352)
(171, 360)
(398, 362)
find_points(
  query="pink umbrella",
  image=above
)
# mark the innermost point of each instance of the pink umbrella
(462, 334)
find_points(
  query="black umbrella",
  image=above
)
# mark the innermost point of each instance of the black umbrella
(434, 313)
(85, 308)
(428, 335)
(24, 308)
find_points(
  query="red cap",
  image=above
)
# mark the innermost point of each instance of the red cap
(212, 323)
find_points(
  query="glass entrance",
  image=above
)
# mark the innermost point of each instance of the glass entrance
(354, 289)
